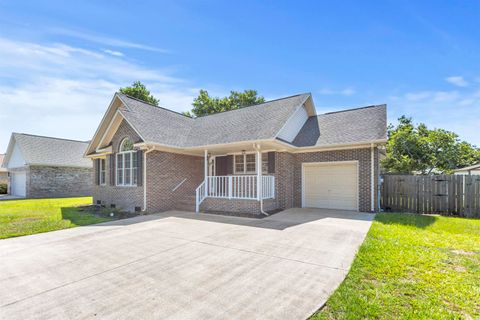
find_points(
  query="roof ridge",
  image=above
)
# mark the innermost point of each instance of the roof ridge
(160, 107)
(39, 136)
(254, 105)
(353, 109)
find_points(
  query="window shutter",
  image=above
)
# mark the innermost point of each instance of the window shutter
(139, 168)
(230, 164)
(96, 163)
(112, 169)
(271, 162)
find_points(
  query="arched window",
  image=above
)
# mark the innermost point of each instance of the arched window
(126, 164)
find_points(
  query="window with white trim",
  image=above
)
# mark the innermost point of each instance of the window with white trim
(247, 164)
(126, 164)
(102, 172)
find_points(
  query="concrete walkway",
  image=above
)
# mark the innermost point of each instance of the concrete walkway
(179, 265)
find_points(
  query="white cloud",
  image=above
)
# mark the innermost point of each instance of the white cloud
(61, 90)
(457, 81)
(451, 110)
(101, 39)
(343, 92)
(113, 53)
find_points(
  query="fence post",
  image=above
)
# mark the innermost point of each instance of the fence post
(230, 187)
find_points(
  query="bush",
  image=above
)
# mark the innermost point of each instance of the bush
(3, 188)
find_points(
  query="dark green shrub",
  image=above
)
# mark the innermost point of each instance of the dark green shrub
(3, 188)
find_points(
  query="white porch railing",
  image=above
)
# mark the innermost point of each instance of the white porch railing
(235, 187)
(240, 187)
(199, 196)
(268, 187)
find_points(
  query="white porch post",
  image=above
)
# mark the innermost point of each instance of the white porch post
(259, 174)
(206, 172)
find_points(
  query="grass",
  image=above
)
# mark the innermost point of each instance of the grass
(24, 217)
(412, 267)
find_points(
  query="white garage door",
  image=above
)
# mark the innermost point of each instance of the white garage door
(330, 185)
(19, 183)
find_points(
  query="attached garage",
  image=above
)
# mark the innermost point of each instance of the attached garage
(330, 185)
(18, 186)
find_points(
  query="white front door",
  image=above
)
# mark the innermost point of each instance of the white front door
(330, 185)
(18, 183)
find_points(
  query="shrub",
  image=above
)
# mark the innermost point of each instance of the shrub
(3, 188)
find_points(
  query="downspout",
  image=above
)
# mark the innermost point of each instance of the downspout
(372, 174)
(379, 184)
(145, 177)
(259, 178)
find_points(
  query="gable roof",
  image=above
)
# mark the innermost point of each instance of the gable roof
(2, 156)
(261, 121)
(48, 151)
(344, 127)
(163, 127)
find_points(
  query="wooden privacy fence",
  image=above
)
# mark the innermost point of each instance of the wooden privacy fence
(441, 194)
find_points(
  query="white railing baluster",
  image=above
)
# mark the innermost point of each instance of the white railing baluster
(236, 187)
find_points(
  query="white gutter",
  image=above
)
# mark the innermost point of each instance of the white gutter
(372, 174)
(145, 177)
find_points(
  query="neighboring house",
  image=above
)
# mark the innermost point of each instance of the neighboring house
(42, 167)
(3, 172)
(475, 169)
(275, 155)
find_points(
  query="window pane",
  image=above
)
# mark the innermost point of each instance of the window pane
(127, 167)
(126, 145)
(120, 169)
(239, 163)
(250, 162)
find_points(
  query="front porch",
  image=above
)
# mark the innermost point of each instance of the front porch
(239, 181)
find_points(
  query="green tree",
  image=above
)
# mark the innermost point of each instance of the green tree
(139, 91)
(418, 149)
(204, 104)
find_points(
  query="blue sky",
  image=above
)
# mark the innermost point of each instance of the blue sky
(60, 65)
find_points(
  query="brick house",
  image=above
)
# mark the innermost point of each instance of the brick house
(45, 167)
(275, 155)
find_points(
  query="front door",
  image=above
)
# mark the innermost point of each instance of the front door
(221, 166)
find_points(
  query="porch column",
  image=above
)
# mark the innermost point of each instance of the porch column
(206, 172)
(259, 174)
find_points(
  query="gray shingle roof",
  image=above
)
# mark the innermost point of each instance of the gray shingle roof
(343, 127)
(52, 151)
(262, 121)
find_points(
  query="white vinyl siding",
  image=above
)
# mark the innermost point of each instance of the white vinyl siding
(16, 159)
(293, 125)
(330, 185)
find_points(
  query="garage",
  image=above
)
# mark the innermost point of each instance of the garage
(18, 183)
(330, 185)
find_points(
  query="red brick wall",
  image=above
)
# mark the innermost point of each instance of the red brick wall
(124, 198)
(165, 171)
(364, 171)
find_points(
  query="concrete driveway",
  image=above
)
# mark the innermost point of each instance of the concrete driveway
(179, 265)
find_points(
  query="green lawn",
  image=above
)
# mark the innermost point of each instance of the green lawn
(22, 217)
(412, 267)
